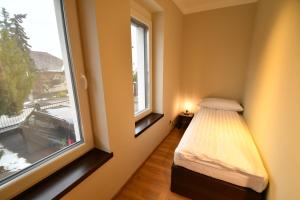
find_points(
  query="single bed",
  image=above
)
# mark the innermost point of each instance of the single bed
(217, 159)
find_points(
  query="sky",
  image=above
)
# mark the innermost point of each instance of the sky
(40, 23)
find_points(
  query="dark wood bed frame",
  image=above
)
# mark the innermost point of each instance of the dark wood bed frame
(198, 186)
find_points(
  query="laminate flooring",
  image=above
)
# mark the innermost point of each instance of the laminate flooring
(153, 178)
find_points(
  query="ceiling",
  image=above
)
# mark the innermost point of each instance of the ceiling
(192, 6)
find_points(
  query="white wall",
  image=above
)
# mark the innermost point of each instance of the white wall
(114, 56)
(216, 46)
(272, 95)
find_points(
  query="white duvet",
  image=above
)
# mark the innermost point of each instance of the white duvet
(218, 143)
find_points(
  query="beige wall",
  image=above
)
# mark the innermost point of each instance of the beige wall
(216, 47)
(272, 94)
(114, 66)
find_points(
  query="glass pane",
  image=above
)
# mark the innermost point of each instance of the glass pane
(38, 114)
(139, 68)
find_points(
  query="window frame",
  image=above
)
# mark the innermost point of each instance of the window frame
(142, 17)
(70, 32)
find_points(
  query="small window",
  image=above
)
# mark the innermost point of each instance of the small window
(39, 112)
(140, 67)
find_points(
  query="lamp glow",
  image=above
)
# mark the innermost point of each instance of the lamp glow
(187, 107)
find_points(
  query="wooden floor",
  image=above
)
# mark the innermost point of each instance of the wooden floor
(152, 180)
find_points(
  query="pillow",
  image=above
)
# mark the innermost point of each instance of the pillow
(221, 104)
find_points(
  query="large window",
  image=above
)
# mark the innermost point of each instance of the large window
(140, 67)
(39, 105)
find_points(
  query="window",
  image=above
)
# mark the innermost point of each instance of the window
(39, 98)
(141, 68)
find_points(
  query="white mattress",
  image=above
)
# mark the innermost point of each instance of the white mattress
(218, 144)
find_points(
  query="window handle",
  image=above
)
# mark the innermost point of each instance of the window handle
(85, 83)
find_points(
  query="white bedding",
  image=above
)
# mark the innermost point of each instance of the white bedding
(218, 144)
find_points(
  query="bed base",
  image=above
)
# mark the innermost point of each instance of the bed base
(198, 186)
